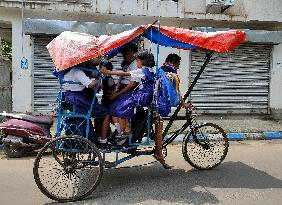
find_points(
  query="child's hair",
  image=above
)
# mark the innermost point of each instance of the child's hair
(147, 58)
(107, 64)
(172, 58)
(129, 47)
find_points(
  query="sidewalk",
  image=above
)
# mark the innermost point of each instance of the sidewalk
(237, 127)
(242, 127)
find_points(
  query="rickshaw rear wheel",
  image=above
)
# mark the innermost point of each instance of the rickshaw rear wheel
(205, 146)
(73, 170)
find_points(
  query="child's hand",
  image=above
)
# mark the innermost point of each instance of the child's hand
(114, 96)
(104, 70)
(187, 106)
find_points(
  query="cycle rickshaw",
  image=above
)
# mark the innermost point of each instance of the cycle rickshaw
(75, 166)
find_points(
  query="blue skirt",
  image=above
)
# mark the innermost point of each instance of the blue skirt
(82, 104)
(124, 105)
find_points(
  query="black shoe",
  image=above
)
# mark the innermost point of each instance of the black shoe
(104, 145)
(121, 140)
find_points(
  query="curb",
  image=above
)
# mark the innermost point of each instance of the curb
(273, 135)
(255, 136)
(238, 136)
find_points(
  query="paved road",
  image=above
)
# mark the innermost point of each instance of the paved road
(251, 174)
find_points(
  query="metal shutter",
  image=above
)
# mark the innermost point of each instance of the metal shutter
(46, 85)
(235, 82)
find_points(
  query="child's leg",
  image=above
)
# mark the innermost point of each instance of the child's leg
(117, 124)
(123, 124)
(159, 144)
(158, 140)
(126, 129)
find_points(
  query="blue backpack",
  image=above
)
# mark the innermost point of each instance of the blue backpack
(168, 95)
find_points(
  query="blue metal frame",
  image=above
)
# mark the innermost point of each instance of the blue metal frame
(62, 116)
(131, 146)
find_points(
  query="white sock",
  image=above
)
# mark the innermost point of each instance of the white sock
(117, 125)
(103, 141)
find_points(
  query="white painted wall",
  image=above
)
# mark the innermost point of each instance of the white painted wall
(22, 80)
(244, 10)
(276, 81)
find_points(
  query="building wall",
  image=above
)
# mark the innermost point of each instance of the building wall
(190, 10)
(185, 13)
(21, 79)
(247, 10)
(276, 83)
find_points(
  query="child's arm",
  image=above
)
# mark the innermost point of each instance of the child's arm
(118, 73)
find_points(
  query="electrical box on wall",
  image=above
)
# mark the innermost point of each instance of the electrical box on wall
(218, 6)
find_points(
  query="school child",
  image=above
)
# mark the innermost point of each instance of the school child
(124, 106)
(81, 95)
(170, 67)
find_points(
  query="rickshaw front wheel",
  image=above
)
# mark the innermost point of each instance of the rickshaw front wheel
(68, 169)
(205, 146)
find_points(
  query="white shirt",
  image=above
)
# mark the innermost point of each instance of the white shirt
(138, 75)
(76, 75)
(126, 79)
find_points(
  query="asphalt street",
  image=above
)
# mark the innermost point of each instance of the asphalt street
(251, 174)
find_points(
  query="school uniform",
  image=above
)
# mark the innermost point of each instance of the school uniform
(125, 80)
(125, 104)
(109, 86)
(80, 95)
(172, 75)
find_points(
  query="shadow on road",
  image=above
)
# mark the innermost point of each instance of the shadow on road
(154, 184)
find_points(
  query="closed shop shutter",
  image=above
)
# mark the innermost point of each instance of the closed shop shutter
(46, 85)
(235, 82)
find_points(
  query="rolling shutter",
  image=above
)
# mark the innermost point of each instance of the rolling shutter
(46, 85)
(235, 82)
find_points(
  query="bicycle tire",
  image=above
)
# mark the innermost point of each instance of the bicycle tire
(205, 146)
(74, 171)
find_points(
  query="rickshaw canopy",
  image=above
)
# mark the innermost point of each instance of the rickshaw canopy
(71, 48)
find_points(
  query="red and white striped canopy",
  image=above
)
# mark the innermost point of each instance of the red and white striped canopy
(71, 48)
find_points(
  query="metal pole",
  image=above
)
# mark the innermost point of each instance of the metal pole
(155, 95)
(158, 49)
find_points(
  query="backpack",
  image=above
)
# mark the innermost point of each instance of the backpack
(168, 95)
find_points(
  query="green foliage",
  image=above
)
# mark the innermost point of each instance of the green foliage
(6, 48)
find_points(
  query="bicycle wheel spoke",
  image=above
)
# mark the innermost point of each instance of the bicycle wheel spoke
(206, 146)
(70, 174)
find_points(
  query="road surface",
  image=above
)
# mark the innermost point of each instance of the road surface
(251, 174)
